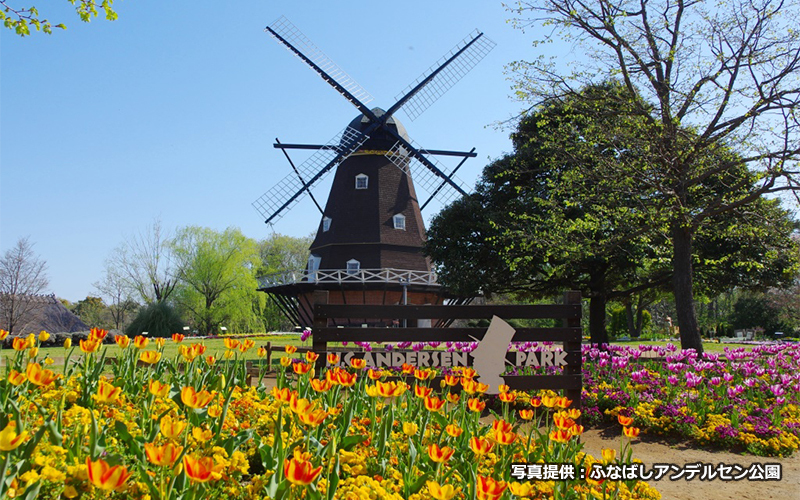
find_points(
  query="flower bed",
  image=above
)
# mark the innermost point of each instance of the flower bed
(747, 400)
(189, 428)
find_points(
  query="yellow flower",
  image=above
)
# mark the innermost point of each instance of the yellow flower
(39, 376)
(194, 399)
(261, 352)
(158, 389)
(33, 352)
(3, 334)
(608, 455)
(9, 439)
(67, 345)
(107, 393)
(171, 428)
(521, 489)
(140, 342)
(106, 477)
(44, 336)
(164, 455)
(439, 492)
(453, 430)
(149, 357)
(410, 428)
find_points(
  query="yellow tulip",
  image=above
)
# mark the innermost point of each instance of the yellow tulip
(9, 439)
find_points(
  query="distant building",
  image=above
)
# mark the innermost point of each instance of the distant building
(47, 313)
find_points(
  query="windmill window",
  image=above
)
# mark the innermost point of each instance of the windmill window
(353, 266)
(362, 180)
(326, 224)
(399, 221)
(313, 266)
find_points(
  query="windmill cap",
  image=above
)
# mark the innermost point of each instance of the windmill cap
(361, 122)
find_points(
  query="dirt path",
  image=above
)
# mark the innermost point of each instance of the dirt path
(654, 450)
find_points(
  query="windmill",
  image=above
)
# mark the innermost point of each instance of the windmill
(368, 246)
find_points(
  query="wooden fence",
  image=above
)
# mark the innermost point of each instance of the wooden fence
(570, 334)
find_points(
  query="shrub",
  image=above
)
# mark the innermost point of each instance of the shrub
(158, 320)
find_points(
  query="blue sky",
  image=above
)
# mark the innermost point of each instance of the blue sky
(170, 112)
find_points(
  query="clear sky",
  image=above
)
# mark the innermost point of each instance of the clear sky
(171, 111)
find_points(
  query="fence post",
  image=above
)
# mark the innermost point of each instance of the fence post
(319, 347)
(573, 297)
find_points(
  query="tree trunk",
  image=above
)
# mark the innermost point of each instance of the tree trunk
(632, 331)
(597, 308)
(682, 287)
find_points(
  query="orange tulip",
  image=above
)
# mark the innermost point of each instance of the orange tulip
(211, 360)
(231, 343)
(453, 397)
(631, 432)
(440, 455)
(453, 430)
(248, 344)
(468, 373)
(97, 334)
(302, 368)
(507, 397)
(521, 490)
(313, 417)
(285, 361)
(261, 352)
(122, 340)
(346, 379)
(200, 349)
(451, 380)
(608, 455)
(38, 376)
(503, 388)
(107, 393)
(140, 342)
(573, 413)
(563, 402)
(160, 342)
(89, 346)
(391, 389)
(158, 389)
(178, 337)
(300, 472)
(3, 334)
(562, 421)
(576, 430)
(421, 391)
(164, 455)
(536, 402)
(198, 469)
(333, 359)
(312, 357)
(480, 446)
(434, 404)
(106, 477)
(469, 385)
(171, 428)
(526, 414)
(421, 374)
(560, 435)
(502, 425)
(194, 399)
(284, 395)
(374, 374)
(290, 349)
(624, 421)
(16, 378)
(476, 405)
(502, 437)
(358, 363)
(489, 489)
(321, 385)
(150, 357)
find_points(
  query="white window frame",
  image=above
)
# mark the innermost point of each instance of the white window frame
(326, 224)
(362, 177)
(399, 221)
(313, 266)
(353, 266)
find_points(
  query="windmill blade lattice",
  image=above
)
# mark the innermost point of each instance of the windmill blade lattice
(448, 76)
(295, 41)
(284, 195)
(422, 175)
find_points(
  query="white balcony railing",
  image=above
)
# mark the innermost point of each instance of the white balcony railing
(387, 275)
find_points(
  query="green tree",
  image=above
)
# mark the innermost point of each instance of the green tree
(23, 276)
(217, 285)
(21, 19)
(94, 312)
(280, 254)
(711, 75)
(547, 217)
